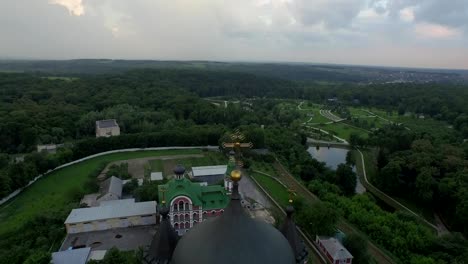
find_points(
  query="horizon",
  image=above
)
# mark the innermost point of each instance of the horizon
(376, 33)
(296, 63)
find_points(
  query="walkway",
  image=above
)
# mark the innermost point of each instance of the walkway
(328, 114)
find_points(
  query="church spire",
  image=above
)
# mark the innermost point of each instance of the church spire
(179, 172)
(164, 241)
(289, 230)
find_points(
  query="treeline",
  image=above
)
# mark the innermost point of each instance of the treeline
(399, 233)
(17, 174)
(38, 110)
(414, 167)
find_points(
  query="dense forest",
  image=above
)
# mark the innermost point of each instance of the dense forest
(166, 107)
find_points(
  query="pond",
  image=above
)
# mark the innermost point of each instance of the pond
(333, 157)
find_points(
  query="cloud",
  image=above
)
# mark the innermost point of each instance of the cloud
(75, 7)
(407, 14)
(340, 31)
(435, 31)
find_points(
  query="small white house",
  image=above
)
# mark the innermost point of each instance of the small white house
(107, 128)
(111, 214)
(333, 250)
(156, 176)
(49, 148)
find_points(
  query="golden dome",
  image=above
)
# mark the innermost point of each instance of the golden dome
(236, 175)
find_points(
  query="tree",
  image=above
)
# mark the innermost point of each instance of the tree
(39, 257)
(350, 159)
(318, 219)
(356, 140)
(389, 177)
(346, 179)
(357, 246)
(425, 183)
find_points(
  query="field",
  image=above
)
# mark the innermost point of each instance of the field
(55, 191)
(274, 188)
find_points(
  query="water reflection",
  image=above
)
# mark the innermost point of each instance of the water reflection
(333, 157)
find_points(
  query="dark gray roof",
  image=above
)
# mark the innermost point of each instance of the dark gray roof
(164, 241)
(289, 230)
(106, 123)
(231, 238)
(112, 185)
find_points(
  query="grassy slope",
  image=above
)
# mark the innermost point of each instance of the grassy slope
(53, 191)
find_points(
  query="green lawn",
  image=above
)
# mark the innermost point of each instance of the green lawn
(343, 131)
(53, 192)
(274, 188)
(156, 165)
(263, 167)
(210, 158)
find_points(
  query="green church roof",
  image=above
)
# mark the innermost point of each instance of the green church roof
(209, 197)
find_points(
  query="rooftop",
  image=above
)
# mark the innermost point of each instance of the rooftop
(106, 123)
(121, 238)
(156, 176)
(75, 256)
(115, 209)
(209, 170)
(210, 197)
(335, 248)
(112, 185)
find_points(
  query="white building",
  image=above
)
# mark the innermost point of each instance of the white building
(156, 176)
(111, 214)
(107, 128)
(209, 174)
(49, 148)
(333, 250)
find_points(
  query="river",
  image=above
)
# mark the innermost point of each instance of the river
(333, 157)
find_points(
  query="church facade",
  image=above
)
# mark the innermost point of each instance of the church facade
(191, 203)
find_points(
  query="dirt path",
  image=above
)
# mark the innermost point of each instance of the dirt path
(344, 226)
(136, 167)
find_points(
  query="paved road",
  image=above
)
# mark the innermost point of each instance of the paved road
(247, 188)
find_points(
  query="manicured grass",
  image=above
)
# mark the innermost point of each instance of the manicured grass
(263, 167)
(343, 130)
(274, 188)
(210, 158)
(54, 191)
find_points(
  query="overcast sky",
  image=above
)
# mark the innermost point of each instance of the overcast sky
(421, 33)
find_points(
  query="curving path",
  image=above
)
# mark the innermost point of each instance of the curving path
(440, 228)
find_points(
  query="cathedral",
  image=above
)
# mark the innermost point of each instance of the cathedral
(233, 237)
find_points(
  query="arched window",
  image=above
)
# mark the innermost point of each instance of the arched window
(187, 217)
(181, 205)
(195, 222)
(195, 216)
(182, 226)
(175, 207)
(187, 206)
(176, 226)
(176, 218)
